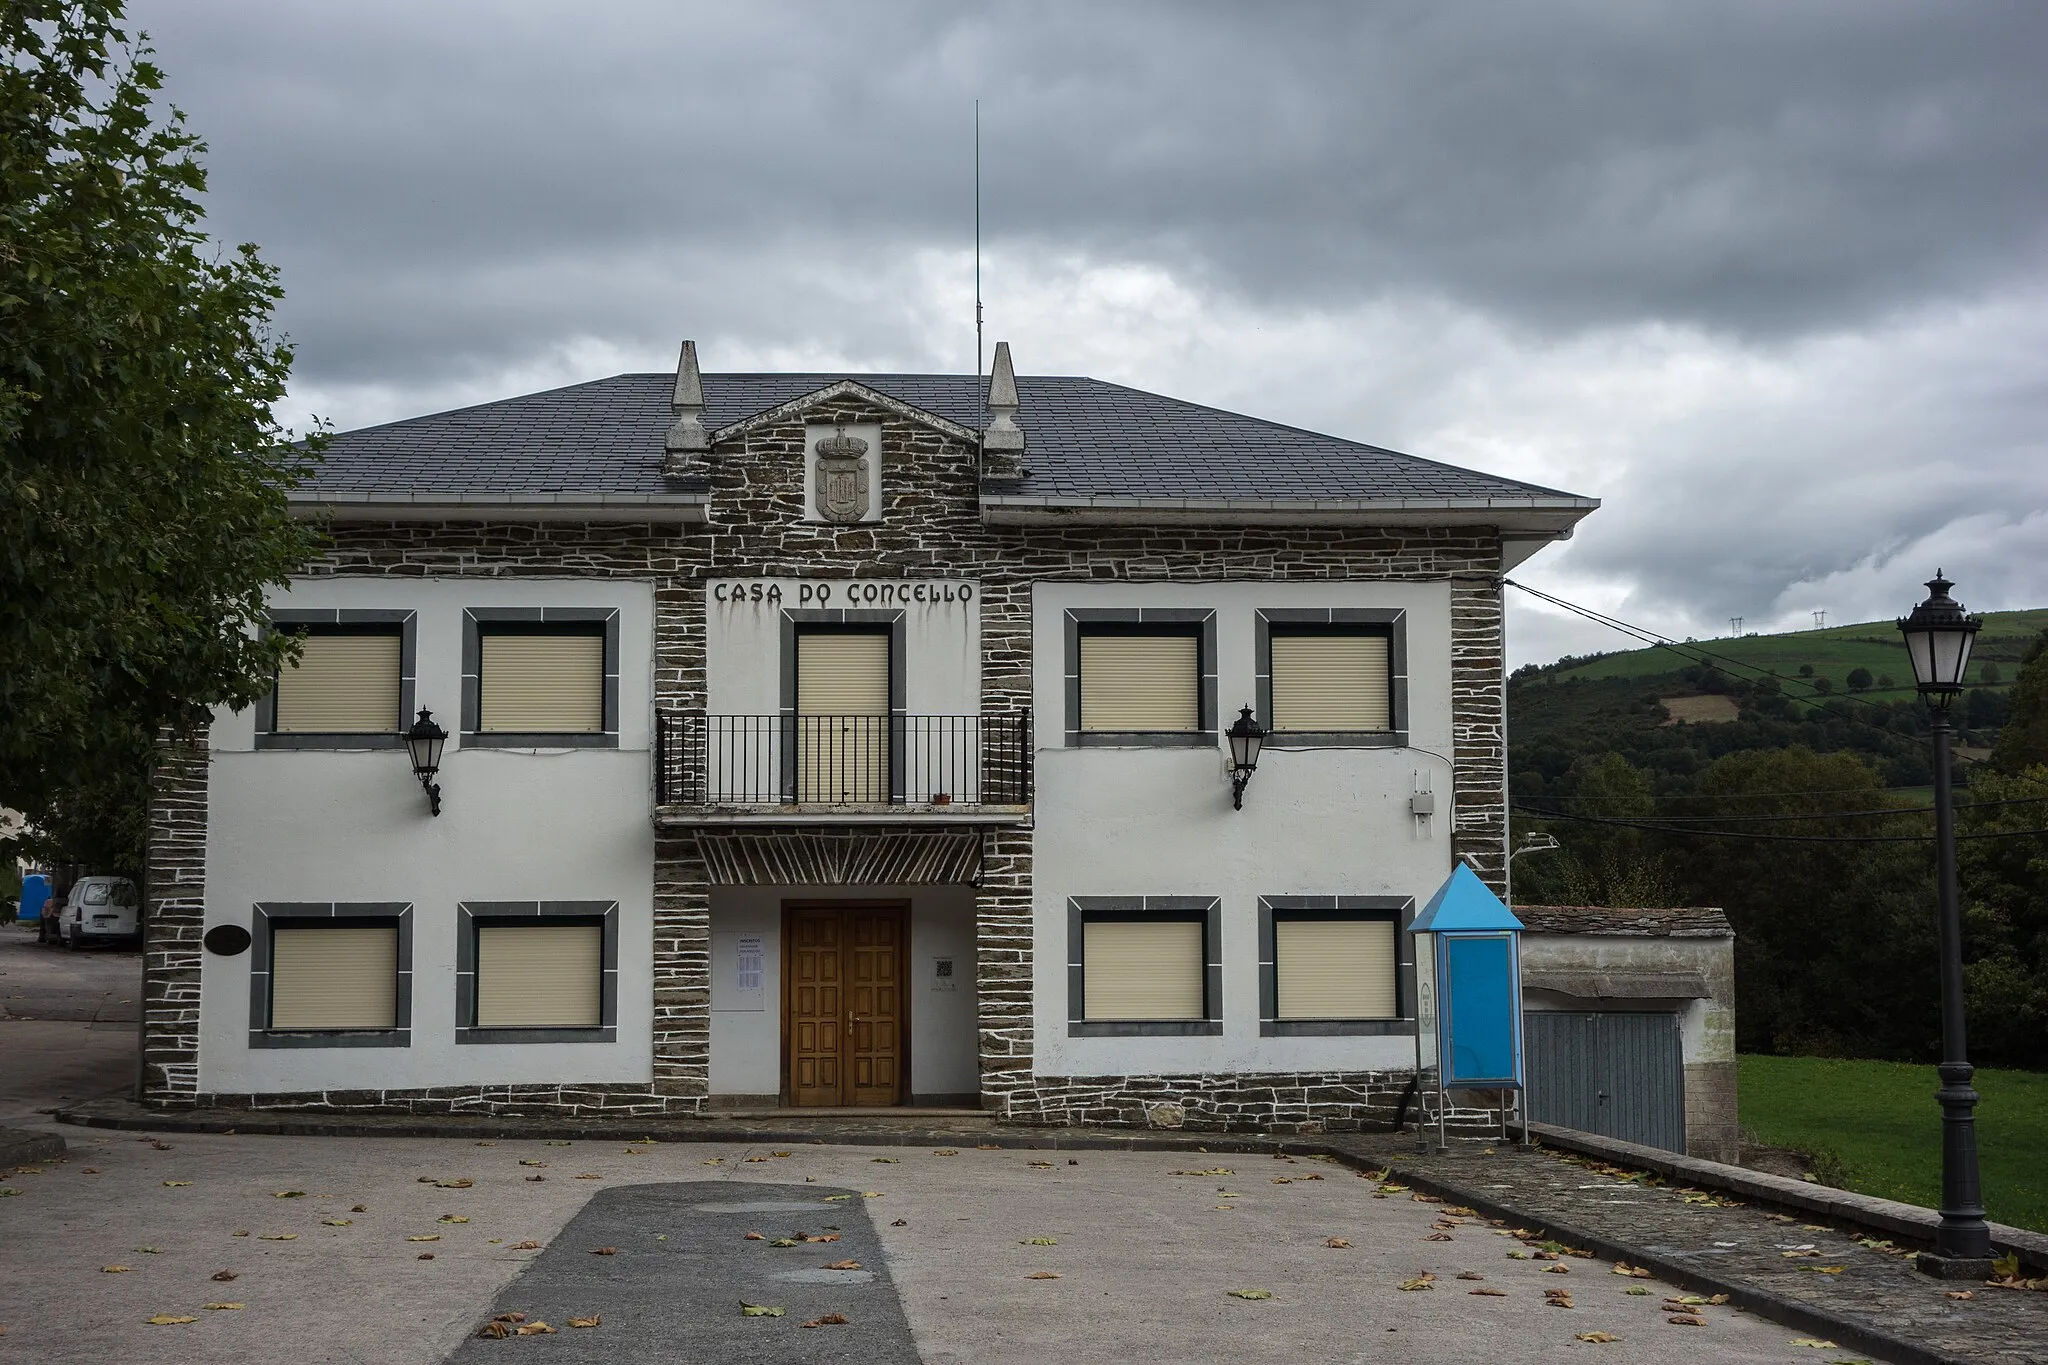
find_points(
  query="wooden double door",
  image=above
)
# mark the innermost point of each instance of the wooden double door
(845, 1024)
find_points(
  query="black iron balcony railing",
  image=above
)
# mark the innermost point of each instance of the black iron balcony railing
(937, 761)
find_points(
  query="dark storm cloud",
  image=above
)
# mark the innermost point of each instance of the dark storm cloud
(453, 185)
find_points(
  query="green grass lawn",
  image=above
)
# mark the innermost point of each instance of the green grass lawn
(1881, 1121)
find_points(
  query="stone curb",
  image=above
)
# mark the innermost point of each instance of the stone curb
(1895, 1219)
(1790, 1312)
(20, 1146)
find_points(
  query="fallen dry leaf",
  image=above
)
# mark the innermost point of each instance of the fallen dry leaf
(592, 1321)
(533, 1329)
(1557, 1268)
(1039, 1242)
(1599, 1337)
(150, 1251)
(338, 1222)
(1687, 1320)
(1422, 1281)
(1338, 1243)
(1213, 1170)
(222, 1307)
(590, 1175)
(1047, 1165)
(167, 1320)
(843, 1265)
(494, 1329)
(1254, 1293)
(900, 1223)
(1823, 1269)
(754, 1237)
(279, 1237)
(451, 1218)
(784, 1155)
(1281, 1180)
(115, 1269)
(556, 1142)
(225, 1275)
(424, 1237)
(424, 1256)
(1634, 1271)
(604, 1251)
(288, 1194)
(359, 1208)
(1962, 1293)
(510, 1317)
(529, 1161)
(944, 1151)
(829, 1320)
(1437, 1237)
(1425, 1199)
(168, 1184)
(886, 1160)
(1470, 1275)
(1817, 1343)
(1489, 1293)
(461, 1183)
(533, 1178)
(1043, 1275)
(760, 1159)
(759, 1310)
(528, 1245)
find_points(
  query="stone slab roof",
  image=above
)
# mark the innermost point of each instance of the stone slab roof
(1690, 922)
(1087, 440)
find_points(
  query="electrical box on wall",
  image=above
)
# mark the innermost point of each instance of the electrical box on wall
(1422, 803)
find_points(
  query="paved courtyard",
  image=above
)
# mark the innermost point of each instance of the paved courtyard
(1137, 1258)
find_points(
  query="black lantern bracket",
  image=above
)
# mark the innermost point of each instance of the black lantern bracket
(1246, 738)
(423, 744)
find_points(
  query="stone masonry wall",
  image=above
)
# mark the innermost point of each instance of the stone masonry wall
(174, 889)
(932, 528)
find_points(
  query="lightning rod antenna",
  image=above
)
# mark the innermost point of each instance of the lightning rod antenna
(977, 239)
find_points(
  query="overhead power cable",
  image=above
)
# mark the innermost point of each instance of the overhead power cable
(1773, 838)
(1680, 821)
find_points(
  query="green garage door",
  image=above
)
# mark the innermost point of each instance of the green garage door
(1618, 1075)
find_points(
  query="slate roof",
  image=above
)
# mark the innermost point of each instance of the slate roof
(1086, 439)
(1699, 921)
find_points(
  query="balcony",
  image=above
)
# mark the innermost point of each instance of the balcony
(866, 769)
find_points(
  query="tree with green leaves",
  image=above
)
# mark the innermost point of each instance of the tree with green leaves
(142, 487)
(2023, 740)
(1859, 679)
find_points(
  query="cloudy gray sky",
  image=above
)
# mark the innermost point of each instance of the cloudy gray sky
(1770, 279)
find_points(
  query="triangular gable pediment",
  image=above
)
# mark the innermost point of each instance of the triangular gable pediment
(842, 389)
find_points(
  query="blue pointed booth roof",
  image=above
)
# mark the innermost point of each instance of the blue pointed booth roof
(1463, 903)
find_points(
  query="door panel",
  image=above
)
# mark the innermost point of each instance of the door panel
(844, 1005)
(1621, 1075)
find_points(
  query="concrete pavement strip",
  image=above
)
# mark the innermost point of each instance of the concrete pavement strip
(681, 1268)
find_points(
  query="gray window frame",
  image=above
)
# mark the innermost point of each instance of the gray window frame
(477, 622)
(264, 920)
(292, 618)
(1391, 622)
(851, 620)
(473, 915)
(1398, 909)
(1208, 910)
(1082, 621)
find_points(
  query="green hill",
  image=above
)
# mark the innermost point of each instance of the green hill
(1831, 653)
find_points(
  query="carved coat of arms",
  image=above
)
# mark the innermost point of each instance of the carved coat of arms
(841, 480)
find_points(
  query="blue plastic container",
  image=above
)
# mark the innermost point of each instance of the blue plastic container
(35, 893)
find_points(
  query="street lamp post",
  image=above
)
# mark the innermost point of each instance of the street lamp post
(1939, 634)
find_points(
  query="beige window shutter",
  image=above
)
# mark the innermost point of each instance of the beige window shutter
(1335, 969)
(542, 683)
(1142, 969)
(539, 975)
(1140, 682)
(334, 977)
(342, 684)
(842, 702)
(1331, 682)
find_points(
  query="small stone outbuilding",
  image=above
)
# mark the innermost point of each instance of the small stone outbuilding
(1630, 1016)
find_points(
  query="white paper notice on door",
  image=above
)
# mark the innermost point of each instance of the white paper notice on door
(749, 960)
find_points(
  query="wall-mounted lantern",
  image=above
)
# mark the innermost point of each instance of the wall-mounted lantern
(423, 743)
(1246, 737)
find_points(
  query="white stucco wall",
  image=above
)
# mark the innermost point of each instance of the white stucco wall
(746, 1027)
(1158, 822)
(310, 825)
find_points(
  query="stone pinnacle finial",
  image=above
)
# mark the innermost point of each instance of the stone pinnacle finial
(1002, 442)
(688, 436)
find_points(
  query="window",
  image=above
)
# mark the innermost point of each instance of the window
(1334, 677)
(1141, 676)
(1336, 965)
(842, 715)
(331, 975)
(542, 680)
(539, 975)
(537, 971)
(1325, 681)
(1143, 965)
(541, 676)
(351, 687)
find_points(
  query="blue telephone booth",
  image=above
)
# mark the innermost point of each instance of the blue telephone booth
(1468, 968)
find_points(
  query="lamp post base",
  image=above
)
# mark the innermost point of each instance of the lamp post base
(1953, 1267)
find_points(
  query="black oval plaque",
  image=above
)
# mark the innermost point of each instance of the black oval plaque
(227, 939)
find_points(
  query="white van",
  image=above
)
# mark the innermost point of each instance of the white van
(101, 909)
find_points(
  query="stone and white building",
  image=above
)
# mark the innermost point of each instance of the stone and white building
(845, 740)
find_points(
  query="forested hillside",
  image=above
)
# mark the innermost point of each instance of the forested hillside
(1786, 779)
